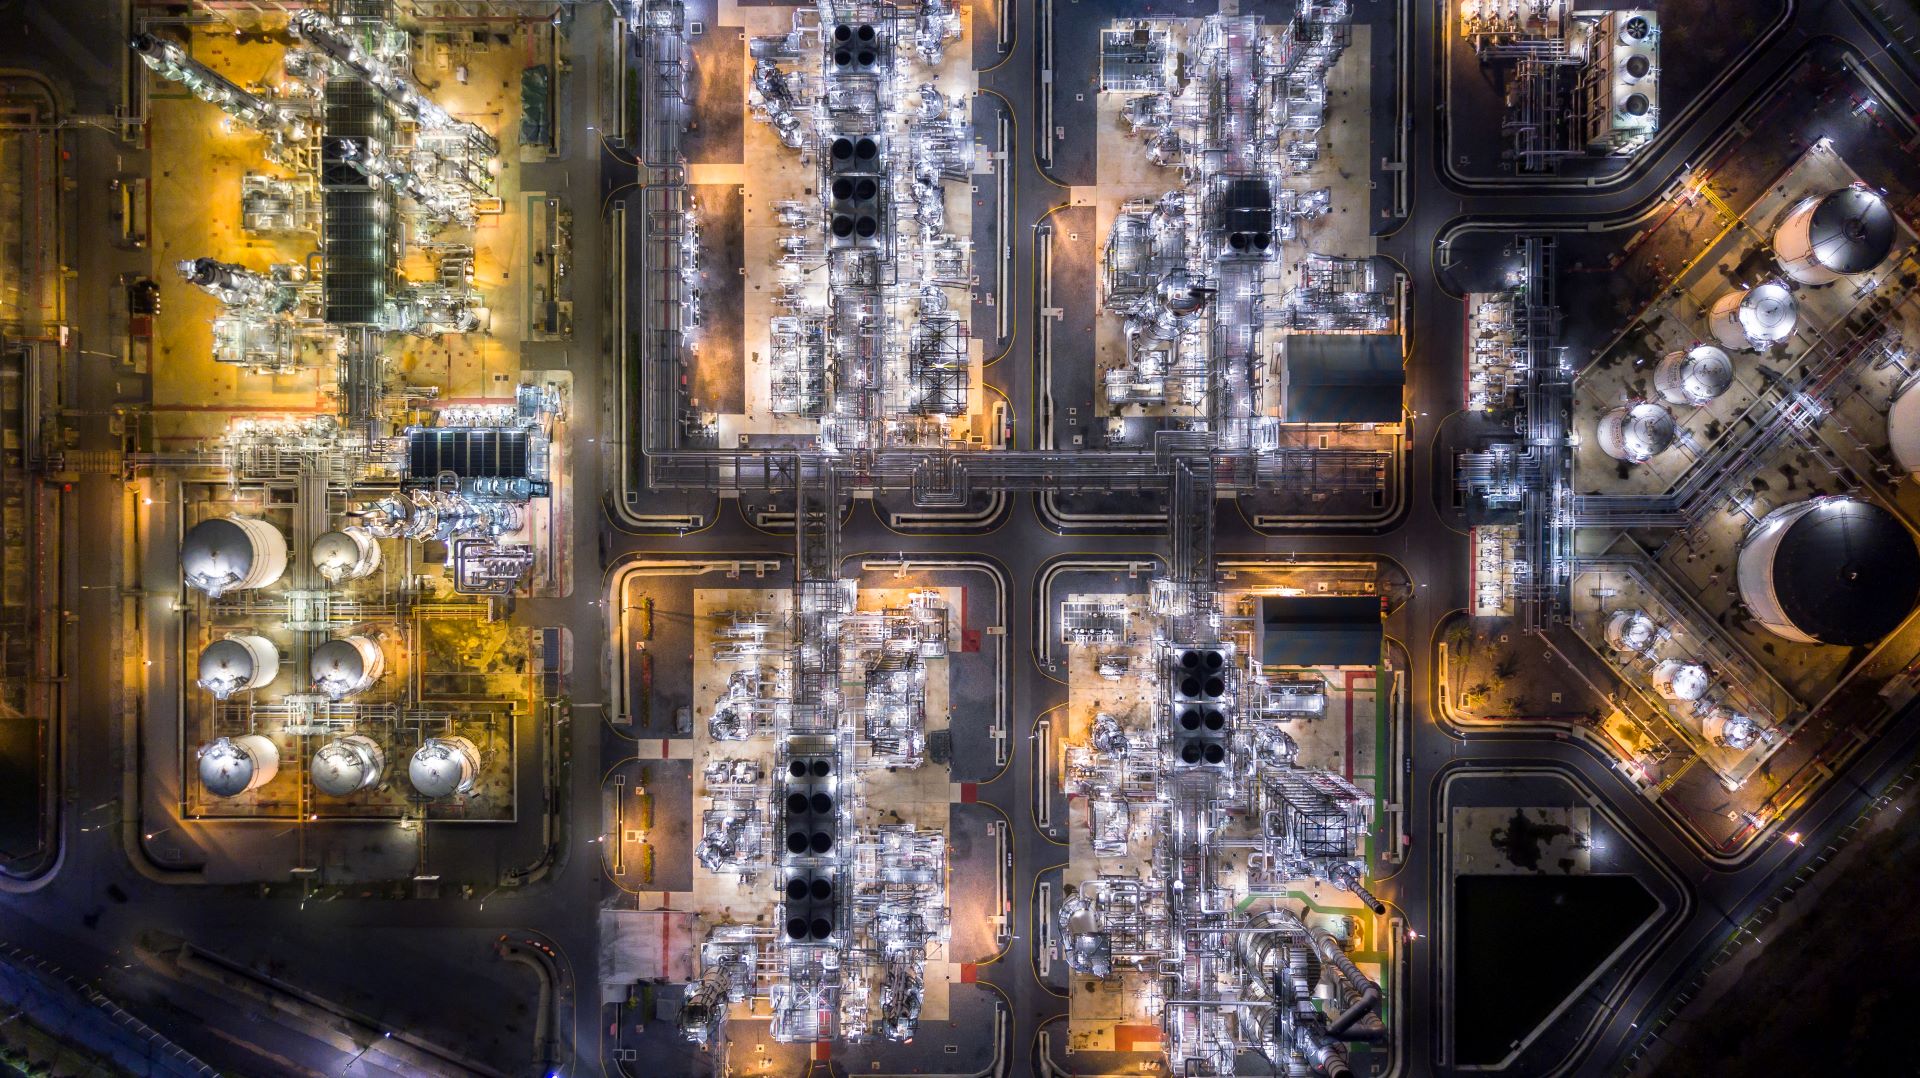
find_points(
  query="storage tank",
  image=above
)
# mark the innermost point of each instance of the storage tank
(347, 765)
(224, 554)
(1636, 432)
(237, 664)
(1677, 679)
(1835, 235)
(1832, 570)
(1903, 426)
(443, 767)
(347, 554)
(1725, 726)
(230, 766)
(1757, 318)
(1630, 631)
(347, 666)
(1693, 377)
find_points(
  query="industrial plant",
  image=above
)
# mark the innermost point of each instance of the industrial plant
(759, 538)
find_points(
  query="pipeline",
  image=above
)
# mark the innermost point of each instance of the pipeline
(1360, 982)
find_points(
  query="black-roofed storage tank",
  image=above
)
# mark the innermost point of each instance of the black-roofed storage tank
(1831, 570)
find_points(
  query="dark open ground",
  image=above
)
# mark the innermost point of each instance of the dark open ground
(1830, 986)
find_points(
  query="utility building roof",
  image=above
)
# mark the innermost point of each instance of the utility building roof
(1320, 630)
(1344, 378)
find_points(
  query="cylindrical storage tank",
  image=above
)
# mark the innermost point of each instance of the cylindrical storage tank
(1693, 377)
(237, 664)
(1833, 570)
(347, 666)
(1679, 680)
(1757, 318)
(1903, 426)
(1835, 235)
(347, 765)
(443, 767)
(224, 554)
(1636, 432)
(1725, 726)
(230, 766)
(347, 554)
(1630, 631)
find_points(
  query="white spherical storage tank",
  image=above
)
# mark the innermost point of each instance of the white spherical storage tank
(347, 765)
(1693, 377)
(1630, 631)
(1677, 679)
(1830, 570)
(1636, 432)
(1725, 726)
(1757, 318)
(1835, 235)
(224, 554)
(347, 666)
(443, 767)
(237, 664)
(230, 766)
(347, 554)
(1903, 426)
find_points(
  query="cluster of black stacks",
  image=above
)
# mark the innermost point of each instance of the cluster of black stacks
(1199, 683)
(855, 48)
(1246, 215)
(857, 179)
(811, 818)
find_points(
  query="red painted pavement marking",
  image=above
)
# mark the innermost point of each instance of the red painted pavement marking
(969, 972)
(969, 792)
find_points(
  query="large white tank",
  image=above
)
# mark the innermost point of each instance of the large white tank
(1679, 680)
(347, 666)
(1636, 432)
(1832, 570)
(1903, 426)
(237, 664)
(1725, 726)
(1630, 631)
(1835, 235)
(224, 554)
(1757, 318)
(230, 766)
(1693, 377)
(347, 554)
(347, 765)
(444, 766)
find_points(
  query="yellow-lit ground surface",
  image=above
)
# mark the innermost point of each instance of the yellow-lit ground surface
(919, 796)
(1122, 1013)
(198, 162)
(30, 293)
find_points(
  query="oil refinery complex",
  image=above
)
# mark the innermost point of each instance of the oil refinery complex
(965, 537)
